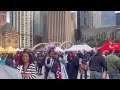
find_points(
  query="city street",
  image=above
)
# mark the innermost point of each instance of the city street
(42, 76)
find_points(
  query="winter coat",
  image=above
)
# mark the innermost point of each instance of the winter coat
(97, 63)
(73, 68)
(9, 62)
(49, 65)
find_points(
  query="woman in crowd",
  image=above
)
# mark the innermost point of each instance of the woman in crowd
(73, 66)
(27, 67)
(63, 67)
(57, 68)
(40, 60)
(48, 65)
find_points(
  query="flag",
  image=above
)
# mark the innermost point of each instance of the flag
(58, 72)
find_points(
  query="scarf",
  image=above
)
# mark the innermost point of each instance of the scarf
(58, 72)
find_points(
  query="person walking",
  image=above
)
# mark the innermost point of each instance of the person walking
(27, 66)
(40, 60)
(113, 64)
(97, 66)
(48, 62)
(49, 70)
(62, 62)
(73, 67)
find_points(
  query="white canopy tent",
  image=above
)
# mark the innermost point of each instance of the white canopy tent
(18, 49)
(80, 47)
(58, 49)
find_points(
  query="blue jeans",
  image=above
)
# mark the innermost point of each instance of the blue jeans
(114, 75)
(96, 75)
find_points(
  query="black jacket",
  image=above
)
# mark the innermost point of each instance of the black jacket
(97, 63)
(9, 62)
(73, 68)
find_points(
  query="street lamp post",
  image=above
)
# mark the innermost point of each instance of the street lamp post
(95, 37)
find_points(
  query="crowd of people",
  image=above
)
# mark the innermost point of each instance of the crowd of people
(66, 65)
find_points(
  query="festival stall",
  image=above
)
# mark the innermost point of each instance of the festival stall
(17, 49)
(10, 49)
(42, 49)
(58, 49)
(2, 50)
(80, 48)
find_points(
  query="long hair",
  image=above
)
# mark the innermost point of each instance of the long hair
(30, 56)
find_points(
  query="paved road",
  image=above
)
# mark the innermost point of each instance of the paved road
(42, 76)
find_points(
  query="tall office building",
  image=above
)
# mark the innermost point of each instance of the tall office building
(86, 20)
(58, 26)
(22, 21)
(74, 19)
(37, 27)
(117, 18)
(108, 18)
(96, 19)
(38, 23)
(104, 19)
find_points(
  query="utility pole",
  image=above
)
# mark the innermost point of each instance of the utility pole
(95, 37)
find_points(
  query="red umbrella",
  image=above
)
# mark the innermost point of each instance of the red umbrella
(107, 47)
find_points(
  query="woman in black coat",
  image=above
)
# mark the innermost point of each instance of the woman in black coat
(73, 67)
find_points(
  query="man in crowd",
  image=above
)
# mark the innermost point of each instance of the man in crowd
(113, 64)
(97, 65)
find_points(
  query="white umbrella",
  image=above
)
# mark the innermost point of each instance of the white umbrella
(18, 49)
(7, 72)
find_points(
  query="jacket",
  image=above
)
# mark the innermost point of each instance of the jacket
(97, 63)
(9, 62)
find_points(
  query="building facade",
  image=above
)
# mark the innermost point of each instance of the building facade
(2, 18)
(117, 18)
(9, 36)
(86, 19)
(74, 19)
(104, 19)
(22, 21)
(58, 26)
(102, 33)
(108, 18)
(37, 27)
(96, 19)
